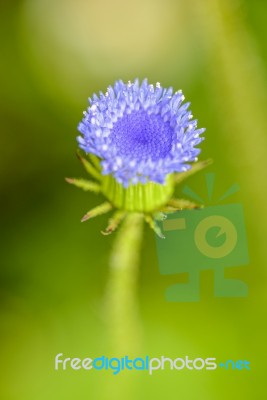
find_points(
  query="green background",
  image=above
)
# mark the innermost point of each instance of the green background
(54, 270)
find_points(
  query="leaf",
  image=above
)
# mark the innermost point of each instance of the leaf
(183, 204)
(114, 222)
(153, 225)
(159, 216)
(181, 176)
(89, 167)
(98, 210)
(95, 161)
(87, 186)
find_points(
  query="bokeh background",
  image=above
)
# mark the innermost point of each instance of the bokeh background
(54, 270)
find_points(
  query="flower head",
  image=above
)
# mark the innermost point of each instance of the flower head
(141, 133)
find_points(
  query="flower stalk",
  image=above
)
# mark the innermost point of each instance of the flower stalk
(121, 306)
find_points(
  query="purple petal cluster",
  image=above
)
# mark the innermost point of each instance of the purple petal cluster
(141, 132)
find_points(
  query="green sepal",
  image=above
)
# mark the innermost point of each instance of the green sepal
(146, 197)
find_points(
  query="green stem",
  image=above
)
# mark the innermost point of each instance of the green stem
(122, 304)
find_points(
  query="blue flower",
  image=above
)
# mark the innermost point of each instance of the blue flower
(140, 132)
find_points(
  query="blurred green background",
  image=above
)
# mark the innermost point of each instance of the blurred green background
(54, 270)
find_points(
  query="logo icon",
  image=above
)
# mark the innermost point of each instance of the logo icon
(211, 238)
(226, 228)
